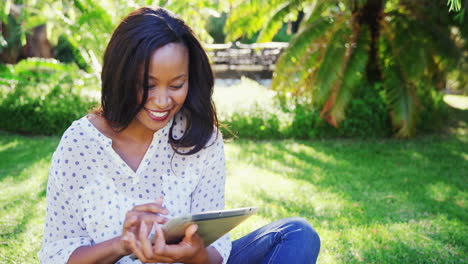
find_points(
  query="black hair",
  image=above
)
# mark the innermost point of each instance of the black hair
(127, 56)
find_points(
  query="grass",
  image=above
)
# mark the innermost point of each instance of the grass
(372, 201)
(383, 201)
(380, 201)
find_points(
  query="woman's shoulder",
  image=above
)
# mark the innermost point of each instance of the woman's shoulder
(216, 138)
(80, 133)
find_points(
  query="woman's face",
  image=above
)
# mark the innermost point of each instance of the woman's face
(168, 76)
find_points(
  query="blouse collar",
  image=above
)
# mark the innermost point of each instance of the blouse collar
(100, 137)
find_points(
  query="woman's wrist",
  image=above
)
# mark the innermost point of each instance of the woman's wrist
(202, 257)
(118, 247)
(109, 251)
(208, 255)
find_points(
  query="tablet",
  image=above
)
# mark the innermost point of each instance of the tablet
(211, 225)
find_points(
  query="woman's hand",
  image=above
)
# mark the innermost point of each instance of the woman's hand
(143, 215)
(190, 250)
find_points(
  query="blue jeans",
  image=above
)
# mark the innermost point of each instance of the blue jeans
(288, 241)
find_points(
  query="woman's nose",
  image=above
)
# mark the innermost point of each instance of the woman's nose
(161, 98)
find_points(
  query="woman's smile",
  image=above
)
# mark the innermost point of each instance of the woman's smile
(158, 115)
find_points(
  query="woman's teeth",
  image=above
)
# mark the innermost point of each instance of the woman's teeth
(159, 114)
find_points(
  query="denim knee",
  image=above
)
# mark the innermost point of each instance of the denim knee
(308, 234)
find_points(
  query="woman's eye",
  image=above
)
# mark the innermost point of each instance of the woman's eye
(177, 86)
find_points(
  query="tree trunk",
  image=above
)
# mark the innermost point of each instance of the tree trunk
(37, 44)
(370, 15)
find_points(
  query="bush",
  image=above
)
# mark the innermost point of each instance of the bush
(43, 96)
(67, 51)
(433, 110)
(256, 123)
(366, 116)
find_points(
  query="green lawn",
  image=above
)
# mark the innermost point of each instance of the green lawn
(380, 201)
(372, 201)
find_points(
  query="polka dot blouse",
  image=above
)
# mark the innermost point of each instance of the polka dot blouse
(90, 187)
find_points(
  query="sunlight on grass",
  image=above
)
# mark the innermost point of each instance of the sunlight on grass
(365, 210)
(9, 145)
(381, 201)
(22, 195)
(241, 96)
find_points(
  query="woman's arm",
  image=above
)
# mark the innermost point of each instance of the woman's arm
(109, 251)
(112, 250)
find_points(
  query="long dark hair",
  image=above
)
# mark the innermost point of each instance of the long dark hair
(127, 57)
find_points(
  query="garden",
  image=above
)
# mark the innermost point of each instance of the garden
(364, 132)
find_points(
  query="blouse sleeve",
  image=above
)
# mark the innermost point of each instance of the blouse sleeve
(209, 193)
(64, 230)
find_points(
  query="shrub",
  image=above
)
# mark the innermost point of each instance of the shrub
(366, 116)
(43, 96)
(255, 123)
(67, 51)
(433, 110)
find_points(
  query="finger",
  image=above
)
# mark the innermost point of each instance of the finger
(135, 217)
(190, 232)
(160, 241)
(159, 248)
(134, 246)
(159, 200)
(145, 243)
(130, 220)
(151, 207)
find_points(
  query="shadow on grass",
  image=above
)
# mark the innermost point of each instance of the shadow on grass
(18, 153)
(409, 179)
(418, 183)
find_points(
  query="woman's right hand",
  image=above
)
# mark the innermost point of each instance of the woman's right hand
(149, 214)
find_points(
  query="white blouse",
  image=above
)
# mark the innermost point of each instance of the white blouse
(90, 187)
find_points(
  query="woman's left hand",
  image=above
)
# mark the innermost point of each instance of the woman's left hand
(191, 250)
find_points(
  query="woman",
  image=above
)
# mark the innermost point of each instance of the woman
(151, 152)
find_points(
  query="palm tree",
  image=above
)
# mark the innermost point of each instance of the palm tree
(407, 46)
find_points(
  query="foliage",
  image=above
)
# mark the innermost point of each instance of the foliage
(88, 24)
(367, 117)
(68, 51)
(367, 114)
(43, 96)
(255, 123)
(399, 45)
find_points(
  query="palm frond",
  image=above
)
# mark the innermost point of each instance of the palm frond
(332, 64)
(298, 47)
(315, 10)
(352, 74)
(401, 94)
(276, 20)
(248, 18)
(409, 47)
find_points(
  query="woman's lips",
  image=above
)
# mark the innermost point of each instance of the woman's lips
(158, 115)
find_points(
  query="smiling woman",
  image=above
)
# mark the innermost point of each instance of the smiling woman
(168, 86)
(151, 152)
